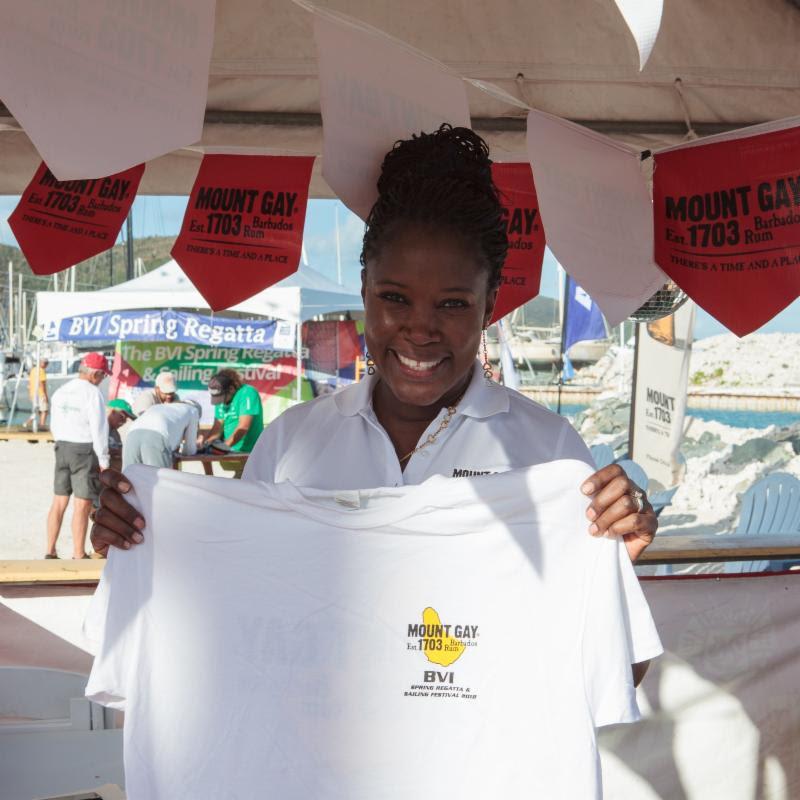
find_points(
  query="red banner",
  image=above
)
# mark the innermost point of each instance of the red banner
(243, 228)
(61, 223)
(522, 271)
(727, 225)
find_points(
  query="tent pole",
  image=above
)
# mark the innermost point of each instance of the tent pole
(299, 345)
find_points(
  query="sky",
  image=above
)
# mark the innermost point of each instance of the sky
(162, 216)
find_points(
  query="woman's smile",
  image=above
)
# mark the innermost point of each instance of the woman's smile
(417, 368)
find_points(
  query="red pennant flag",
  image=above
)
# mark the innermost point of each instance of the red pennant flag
(122, 374)
(61, 223)
(522, 271)
(243, 228)
(727, 225)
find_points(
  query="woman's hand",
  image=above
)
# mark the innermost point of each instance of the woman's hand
(116, 523)
(615, 510)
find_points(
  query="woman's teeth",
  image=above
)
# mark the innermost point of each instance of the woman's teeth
(420, 366)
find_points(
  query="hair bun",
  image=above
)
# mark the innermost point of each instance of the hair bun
(455, 153)
(441, 179)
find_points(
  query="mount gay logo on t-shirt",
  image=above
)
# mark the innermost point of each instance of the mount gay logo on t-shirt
(442, 644)
(471, 472)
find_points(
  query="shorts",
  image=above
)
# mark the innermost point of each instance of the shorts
(77, 471)
(146, 447)
(44, 406)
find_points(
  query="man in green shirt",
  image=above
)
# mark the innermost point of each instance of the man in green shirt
(238, 414)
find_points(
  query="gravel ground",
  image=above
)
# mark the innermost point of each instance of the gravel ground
(26, 490)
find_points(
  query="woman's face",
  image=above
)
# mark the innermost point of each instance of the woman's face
(426, 300)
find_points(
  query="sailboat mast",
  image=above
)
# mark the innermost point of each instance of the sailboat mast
(564, 311)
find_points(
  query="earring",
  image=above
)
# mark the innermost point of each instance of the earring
(487, 367)
(370, 365)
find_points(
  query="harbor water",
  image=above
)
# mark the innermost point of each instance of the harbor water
(735, 418)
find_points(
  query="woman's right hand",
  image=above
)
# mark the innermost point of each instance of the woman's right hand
(116, 523)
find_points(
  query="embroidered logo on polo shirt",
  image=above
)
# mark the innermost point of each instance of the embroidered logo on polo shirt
(463, 472)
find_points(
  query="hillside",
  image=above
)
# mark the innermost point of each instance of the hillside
(541, 312)
(99, 272)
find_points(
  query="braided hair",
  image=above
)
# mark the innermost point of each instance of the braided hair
(442, 179)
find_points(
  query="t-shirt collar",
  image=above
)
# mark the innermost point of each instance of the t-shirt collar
(482, 399)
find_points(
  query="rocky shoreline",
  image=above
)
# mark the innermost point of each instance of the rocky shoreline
(759, 364)
(722, 462)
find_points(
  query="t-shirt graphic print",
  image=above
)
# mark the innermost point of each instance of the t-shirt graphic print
(459, 638)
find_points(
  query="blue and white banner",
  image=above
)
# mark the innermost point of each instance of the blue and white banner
(172, 326)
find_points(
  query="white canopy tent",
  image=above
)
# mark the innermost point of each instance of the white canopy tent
(298, 298)
(737, 60)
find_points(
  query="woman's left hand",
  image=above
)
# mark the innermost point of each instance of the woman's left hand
(615, 510)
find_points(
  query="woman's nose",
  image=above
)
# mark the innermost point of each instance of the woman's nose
(422, 327)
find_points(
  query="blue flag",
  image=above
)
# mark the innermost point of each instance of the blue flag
(584, 319)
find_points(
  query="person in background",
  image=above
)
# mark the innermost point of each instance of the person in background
(38, 377)
(80, 430)
(165, 391)
(119, 412)
(238, 414)
(156, 435)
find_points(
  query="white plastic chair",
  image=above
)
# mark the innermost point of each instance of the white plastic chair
(635, 472)
(602, 454)
(53, 741)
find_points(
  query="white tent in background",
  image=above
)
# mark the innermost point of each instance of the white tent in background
(298, 298)
(295, 299)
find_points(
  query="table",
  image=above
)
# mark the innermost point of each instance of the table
(209, 459)
(727, 547)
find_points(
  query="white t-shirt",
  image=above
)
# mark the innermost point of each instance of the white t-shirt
(176, 422)
(336, 441)
(454, 639)
(78, 414)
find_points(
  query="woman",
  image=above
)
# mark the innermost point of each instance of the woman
(433, 250)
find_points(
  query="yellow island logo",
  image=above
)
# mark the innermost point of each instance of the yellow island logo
(442, 644)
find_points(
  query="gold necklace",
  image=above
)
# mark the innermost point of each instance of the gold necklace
(451, 410)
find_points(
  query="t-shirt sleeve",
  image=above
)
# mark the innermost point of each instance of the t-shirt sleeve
(248, 401)
(190, 435)
(571, 445)
(262, 463)
(98, 425)
(618, 631)
(114, 618)
(112, 625)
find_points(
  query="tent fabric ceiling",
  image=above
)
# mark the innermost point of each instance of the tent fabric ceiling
(738, 62)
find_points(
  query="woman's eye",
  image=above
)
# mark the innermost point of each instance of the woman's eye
(453, 303)
(393, 297)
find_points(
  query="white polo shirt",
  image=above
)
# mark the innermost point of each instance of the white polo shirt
(336, 441)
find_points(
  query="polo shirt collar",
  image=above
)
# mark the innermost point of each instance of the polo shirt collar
(356, 398)
(482, 399)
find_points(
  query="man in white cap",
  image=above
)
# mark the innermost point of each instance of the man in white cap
(165, 391)
(80, 430)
